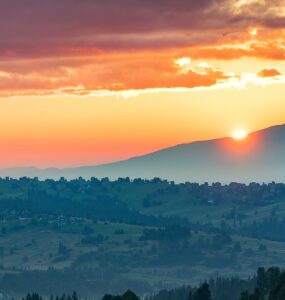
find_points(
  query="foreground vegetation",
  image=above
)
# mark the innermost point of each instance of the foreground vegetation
(101, 236)
(266, 284)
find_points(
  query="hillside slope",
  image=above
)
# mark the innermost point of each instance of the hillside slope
(260, 157)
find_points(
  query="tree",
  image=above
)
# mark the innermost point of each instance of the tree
(278, 293)
(129, 295)
(203, 292)
(261, 281)
(62, 250)
(74, 296)
(244, 296)
(255, 296)
(34, 296)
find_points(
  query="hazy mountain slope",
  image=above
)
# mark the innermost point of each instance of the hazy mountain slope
(260, 157)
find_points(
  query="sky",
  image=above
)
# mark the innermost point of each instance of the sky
(91, 81)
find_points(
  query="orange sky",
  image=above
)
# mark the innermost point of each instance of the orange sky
(103, 89)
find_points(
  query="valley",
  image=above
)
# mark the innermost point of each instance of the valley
(122, 234)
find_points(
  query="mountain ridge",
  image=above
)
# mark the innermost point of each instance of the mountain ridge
(256, 158)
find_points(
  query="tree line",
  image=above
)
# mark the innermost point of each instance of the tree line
(266, 284)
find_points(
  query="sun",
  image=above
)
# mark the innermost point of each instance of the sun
(239, 134)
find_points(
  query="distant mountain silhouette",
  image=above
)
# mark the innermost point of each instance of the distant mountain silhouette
(260, 157)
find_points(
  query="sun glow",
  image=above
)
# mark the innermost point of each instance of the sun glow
(183, 61)
(239, 134)
(253, 31)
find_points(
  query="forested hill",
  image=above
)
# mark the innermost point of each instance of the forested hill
(137, 200)
(102, 236)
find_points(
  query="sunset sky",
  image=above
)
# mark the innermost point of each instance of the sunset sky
(89, 81)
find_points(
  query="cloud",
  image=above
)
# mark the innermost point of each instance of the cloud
(91, 45)
(273, 51)
(45, 28)
(124, 72)
(269, 72)
(109, 73)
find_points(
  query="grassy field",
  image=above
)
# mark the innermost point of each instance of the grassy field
(30, 247)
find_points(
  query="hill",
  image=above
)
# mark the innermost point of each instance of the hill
(106, 236)
(258, 158)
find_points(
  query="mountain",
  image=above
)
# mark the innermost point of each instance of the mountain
(260, 157)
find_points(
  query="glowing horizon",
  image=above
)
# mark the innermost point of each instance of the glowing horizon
(101, 84)
(239, 134)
